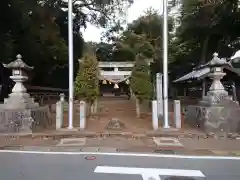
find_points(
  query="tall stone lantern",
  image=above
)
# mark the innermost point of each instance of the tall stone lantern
(20, 113)
(216, 112)
(19, 98)
(217, 92)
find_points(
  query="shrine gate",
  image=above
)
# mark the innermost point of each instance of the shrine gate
(115, 73)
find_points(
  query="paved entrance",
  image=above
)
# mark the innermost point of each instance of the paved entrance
(119, 110)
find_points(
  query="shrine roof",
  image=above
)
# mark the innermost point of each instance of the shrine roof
(195, 74)
(202, 71)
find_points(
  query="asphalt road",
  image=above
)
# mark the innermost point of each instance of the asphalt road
(22, 166)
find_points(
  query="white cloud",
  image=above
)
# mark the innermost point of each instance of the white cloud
(92, 33)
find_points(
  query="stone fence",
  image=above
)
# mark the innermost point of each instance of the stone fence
(61, 107)
(24, 120)
(45, 98)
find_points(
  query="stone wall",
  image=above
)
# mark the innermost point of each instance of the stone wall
(20, 120)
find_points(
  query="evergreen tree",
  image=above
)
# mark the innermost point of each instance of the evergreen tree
(86, 82)
(140, 82)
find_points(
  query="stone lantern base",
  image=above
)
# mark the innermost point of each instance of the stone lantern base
(23, 101)
(21, 114)
(214, 114)
(24, 120)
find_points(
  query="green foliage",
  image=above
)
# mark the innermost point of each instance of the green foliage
(86, 82)
(144, 36)
(38, 30)
(140, 81)
(205, 27)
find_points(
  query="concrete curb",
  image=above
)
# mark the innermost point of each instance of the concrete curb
(167, 151)
(88, 134)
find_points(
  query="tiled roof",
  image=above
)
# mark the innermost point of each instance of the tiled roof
(195, 74)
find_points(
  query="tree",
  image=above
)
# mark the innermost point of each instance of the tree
(86, 82)
(29, 28)
(205, 27)
(42, 27)
(140, 82)
(144, 35)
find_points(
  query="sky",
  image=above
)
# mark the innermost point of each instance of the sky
(92, 33)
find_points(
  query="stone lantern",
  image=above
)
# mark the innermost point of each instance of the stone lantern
(217, 74)
(217, 92)
(216, 112)
(19, 98)
(20, 113)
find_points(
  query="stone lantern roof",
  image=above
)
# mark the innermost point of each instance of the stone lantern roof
(216, 61)
(18, 63)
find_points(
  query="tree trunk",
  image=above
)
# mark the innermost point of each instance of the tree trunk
(92, 108)
(204, 50)
(95, 106)
(88, 109)
(138, 110)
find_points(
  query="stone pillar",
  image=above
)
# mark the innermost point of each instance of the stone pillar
(59, 115)
(177, 114)
(159, 94)
(62, 97)
(82, 115)
(154, 115)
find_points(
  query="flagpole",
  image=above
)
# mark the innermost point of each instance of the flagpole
(165, 64)
(70, 61)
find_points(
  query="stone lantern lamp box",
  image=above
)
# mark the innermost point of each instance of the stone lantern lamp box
(20, 113)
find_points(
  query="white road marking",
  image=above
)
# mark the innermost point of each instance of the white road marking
(149, 172)
(123, 154)
(150, 177)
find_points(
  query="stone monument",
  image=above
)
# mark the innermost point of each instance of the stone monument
(20, 113)
(82, 115)
(216, 112)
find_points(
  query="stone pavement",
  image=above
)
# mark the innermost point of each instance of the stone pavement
(165, 145)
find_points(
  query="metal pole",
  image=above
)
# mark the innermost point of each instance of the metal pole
(70, 61)
(165, 64)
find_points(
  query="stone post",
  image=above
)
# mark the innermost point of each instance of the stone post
(62, 97)
(60, 111)
(82, 113)
(154, 115)
(59, 115)
(177, 114)
(159, 94)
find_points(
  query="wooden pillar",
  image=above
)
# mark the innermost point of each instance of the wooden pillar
(203, 88)
(234, 91)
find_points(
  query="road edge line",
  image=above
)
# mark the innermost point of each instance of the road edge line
(123, 154)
